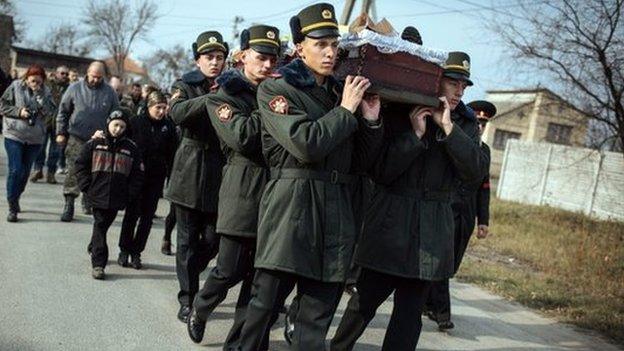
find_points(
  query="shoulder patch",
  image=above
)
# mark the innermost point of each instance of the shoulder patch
(279, 104)
(224, 112)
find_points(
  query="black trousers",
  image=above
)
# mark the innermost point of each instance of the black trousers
(102, 220)
(142, 210)
(197, 243)
(439, 300)
(374, 288)
(170, 222)
(234, 264)
(317, 305)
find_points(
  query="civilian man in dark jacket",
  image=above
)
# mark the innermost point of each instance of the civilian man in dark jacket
(110, 172)
(83, 110)
(407, 238)
(196, 174)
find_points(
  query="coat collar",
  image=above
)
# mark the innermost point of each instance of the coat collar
(297, 74)
(464, 111)
(193, 77)
(234, 81)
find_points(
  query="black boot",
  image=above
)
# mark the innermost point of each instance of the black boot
(122, 260)
(86, 206)
(135, 260)
(68, 210)
(12, 216)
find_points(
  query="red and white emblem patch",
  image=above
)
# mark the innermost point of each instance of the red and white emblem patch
(224, 112)
(279, 105)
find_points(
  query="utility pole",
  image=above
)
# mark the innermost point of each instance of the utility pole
(348, 10)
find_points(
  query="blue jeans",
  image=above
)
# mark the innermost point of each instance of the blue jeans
(53, 153)
(21, 157)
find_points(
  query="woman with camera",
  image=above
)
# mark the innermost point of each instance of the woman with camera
(24, 105)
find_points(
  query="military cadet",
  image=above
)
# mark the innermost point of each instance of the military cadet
(484, 111)
(233, 111)
(196, 173)
(465, 208)
(312, 141)
(407, 238)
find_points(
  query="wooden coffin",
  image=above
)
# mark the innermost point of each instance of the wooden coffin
(398, 77)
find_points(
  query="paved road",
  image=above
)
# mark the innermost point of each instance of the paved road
(49, 301)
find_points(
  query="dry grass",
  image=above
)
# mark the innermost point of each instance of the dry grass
(565, 264)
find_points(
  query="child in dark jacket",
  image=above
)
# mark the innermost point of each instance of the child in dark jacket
(110, 173)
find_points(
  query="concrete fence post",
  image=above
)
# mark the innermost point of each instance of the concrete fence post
(592, 195)
(499, 188)
(545, 176)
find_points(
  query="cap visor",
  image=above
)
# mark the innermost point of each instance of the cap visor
(266, 49)
(323, 33)
(458, 76)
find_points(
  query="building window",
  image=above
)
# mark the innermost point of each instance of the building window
(501, 137)
(558, 133)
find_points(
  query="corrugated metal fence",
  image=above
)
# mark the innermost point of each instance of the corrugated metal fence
(575, 179)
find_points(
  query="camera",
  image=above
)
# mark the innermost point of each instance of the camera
(33, 113)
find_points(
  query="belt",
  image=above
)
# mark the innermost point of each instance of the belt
(419, 194)
(333, 177)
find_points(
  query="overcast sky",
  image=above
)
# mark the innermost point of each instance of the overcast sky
(451, 25)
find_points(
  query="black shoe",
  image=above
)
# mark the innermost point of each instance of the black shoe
(165, 248)
(445, 325)
(183, 313)
(12, 217)
(195, 327)
(122, 260)
(13, 210)
(136, 261)
(18, 209)
(289, 329)
(98, 273)
(68, 210)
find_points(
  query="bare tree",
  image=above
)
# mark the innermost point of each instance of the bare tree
(116, 25)
(7, 7)
(167, 65)
(65, 38)
(578, 43)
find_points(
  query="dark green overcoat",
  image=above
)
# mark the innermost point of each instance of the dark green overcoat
(313, 146)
